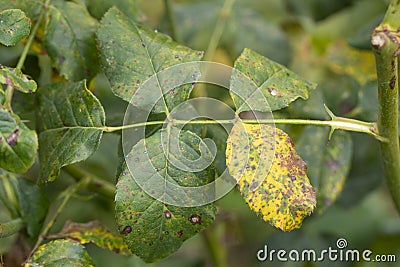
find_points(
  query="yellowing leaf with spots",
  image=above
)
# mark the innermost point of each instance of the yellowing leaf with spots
(270, 174)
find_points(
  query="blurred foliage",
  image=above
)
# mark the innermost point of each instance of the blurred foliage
(326, 42)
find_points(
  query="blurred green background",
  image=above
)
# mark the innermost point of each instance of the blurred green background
(326, 42)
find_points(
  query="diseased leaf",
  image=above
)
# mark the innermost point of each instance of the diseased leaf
(33, 204)
(16, 79)
(131, 54)
(30, 7)
(70, 40)
(61, 252)
(14, 26)
(18, 144)
(277, 85)
(93, 232)
(280, 192)
(329, 162)
(152, 229)
(69, 118)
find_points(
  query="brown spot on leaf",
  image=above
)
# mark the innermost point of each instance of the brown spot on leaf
(180, 233)
(127, 230)
(195, 219)
(12, 139)
(167, 214)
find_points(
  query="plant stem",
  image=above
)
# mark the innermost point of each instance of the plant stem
(10, 90)
(66, 196)
(336, 123)
(215, 249)
(171, 20)
(95, 183)
(11, 227)
(223, 15)
(385, 42)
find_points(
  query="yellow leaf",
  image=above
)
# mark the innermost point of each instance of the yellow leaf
(270, 174)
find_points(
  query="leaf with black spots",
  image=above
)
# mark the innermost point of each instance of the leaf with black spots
(61, 252)
(70, 120)
(152, 229)
(14, 26)
(132, 53)
(18, 144)
(17, 80)
(271, 176)
(93, 232)
(274, 86)
(70, 40)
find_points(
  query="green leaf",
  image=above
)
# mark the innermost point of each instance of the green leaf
(129, 7)
(16, 79)
(64, 253)
(132, 53)
(8, 196)
(33, 204)
(70, 124)
(271, 176)
(275, 85)
(18, 144)
(30, 7)
(93, 232)
(328, 162)
(70, 40)
(14, 26)
(152, 229)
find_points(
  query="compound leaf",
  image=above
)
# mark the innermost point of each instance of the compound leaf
(70, 40)
(152, 229)
(93, 232)
(18, 144)
(16, 79)
(271, 175)
(275, 87)
(60, 253)
(329, 162)
(131, 54)
(70, 119)
(14, 26)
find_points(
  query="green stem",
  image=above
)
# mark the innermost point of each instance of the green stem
(336, 123)
(215, 249)
(95, 183)
(66, 196)
(11, 227)
(385, 42)
(171, 20)
(223, 15)
(10, 90)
